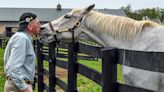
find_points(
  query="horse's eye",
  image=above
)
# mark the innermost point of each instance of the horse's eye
(67, 16)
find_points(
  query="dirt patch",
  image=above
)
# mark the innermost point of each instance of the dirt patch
(61, 74)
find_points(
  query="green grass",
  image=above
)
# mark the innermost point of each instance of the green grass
(2, 75)
(86, 85)
(97, 65)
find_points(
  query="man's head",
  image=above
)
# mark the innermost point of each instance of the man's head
(30, 23)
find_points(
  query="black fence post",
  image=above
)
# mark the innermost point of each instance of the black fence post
(34, 46)
(109, 70)
(40, 67)
(1, 42)
(52, 63)
(72, 67)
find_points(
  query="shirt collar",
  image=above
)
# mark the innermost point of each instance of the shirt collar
(28, 35)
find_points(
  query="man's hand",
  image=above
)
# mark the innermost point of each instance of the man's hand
(27, 90)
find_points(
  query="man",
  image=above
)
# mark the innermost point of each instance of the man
(19, 56)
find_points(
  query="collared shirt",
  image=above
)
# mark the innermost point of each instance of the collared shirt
(19, 59)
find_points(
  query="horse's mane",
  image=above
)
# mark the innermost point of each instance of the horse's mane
(116, 26)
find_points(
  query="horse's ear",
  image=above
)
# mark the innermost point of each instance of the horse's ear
(89, 8)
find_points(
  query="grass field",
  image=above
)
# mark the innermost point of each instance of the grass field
(2, 75)
(84, 84)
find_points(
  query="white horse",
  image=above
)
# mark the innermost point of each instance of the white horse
(112, 31)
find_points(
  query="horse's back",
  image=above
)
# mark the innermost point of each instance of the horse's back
(150, 39)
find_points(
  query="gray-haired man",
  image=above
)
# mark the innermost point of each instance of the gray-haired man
(19, 56)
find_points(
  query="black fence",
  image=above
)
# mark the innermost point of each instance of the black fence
(107, 79)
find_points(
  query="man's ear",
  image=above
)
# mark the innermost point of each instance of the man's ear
(29, 26)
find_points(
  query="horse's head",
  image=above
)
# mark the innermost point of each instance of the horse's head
(66, 28)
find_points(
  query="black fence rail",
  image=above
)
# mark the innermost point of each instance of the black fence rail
(85, 51)
(107, 79)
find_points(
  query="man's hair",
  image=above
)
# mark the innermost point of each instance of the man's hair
(25, 18)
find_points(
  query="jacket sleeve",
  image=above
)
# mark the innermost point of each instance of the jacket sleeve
(16, 61)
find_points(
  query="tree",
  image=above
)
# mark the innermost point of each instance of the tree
(161, 14)
(127, 9)
(151, 13)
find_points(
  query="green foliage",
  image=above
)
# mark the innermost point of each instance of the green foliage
(127, 9)
(162, 15)
(152, 13)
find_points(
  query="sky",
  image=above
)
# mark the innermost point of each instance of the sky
(99, 4)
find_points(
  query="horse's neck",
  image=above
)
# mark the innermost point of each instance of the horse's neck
(106, 41)
(91, 28)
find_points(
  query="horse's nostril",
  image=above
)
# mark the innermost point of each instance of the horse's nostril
(42, 28)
